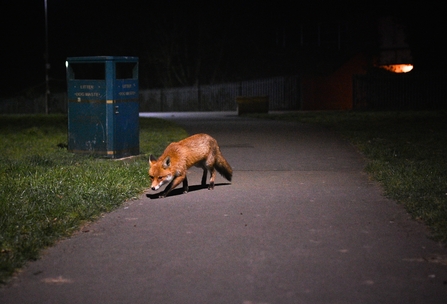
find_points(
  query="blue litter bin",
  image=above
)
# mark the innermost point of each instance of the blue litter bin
(103, 106)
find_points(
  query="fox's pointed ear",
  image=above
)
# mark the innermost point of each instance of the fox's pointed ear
(167, 162)
(152, 159)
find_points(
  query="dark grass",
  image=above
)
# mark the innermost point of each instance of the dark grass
(47, 193)
(406, 152)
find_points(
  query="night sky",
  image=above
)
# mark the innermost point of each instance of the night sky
(204, 41)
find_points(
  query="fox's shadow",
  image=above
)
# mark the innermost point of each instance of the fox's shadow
(179, 191)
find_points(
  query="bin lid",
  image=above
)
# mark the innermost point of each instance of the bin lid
(103, 59)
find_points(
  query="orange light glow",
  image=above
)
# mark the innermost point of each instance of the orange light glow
(398, 68)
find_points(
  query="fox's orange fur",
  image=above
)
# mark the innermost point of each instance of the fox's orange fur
(200, 150)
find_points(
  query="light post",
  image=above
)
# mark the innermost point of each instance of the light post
(47, 65)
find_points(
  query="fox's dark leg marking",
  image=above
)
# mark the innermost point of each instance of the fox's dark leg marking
(175, 182)
(205, 173)
(185, 185)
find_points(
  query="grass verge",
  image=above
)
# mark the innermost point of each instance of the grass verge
(406, 152)
(47, 193)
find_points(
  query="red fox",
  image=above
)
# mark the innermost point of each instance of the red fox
(200, 150)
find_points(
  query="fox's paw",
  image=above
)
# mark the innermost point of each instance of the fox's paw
(211, 186)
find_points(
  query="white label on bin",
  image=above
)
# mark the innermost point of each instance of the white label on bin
(129, 93)
(87, 94)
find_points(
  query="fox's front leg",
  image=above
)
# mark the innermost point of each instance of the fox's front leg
(175, 182)
(185, 185)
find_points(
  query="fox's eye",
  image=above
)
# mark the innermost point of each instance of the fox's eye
(151, 177)
(160, 177)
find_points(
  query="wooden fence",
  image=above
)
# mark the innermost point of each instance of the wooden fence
(57, 103)
(283, 93)
(399, 92)
(391, 92)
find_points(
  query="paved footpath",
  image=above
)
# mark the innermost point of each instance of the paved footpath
(300, 223)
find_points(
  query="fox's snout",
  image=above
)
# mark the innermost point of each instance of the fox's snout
(156, 187)
(160, 181)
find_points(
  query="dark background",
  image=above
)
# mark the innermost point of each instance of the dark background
(190, 42)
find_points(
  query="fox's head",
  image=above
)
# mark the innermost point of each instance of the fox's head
(160, 172)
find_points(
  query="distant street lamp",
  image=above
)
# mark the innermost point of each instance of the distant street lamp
(398, 68)
(395, 53)
(47, 65)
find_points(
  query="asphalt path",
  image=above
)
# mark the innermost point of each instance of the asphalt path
(300, 223)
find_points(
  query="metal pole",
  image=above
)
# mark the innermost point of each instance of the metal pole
(47, 65)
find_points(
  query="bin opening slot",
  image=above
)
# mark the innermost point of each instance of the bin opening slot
(126, 70)
(90, 71)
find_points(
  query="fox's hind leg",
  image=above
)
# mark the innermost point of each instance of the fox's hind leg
(205, 173)
(212, 177)
(209, 165)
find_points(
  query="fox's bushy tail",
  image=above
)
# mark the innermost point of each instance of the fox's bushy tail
(223, 167)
